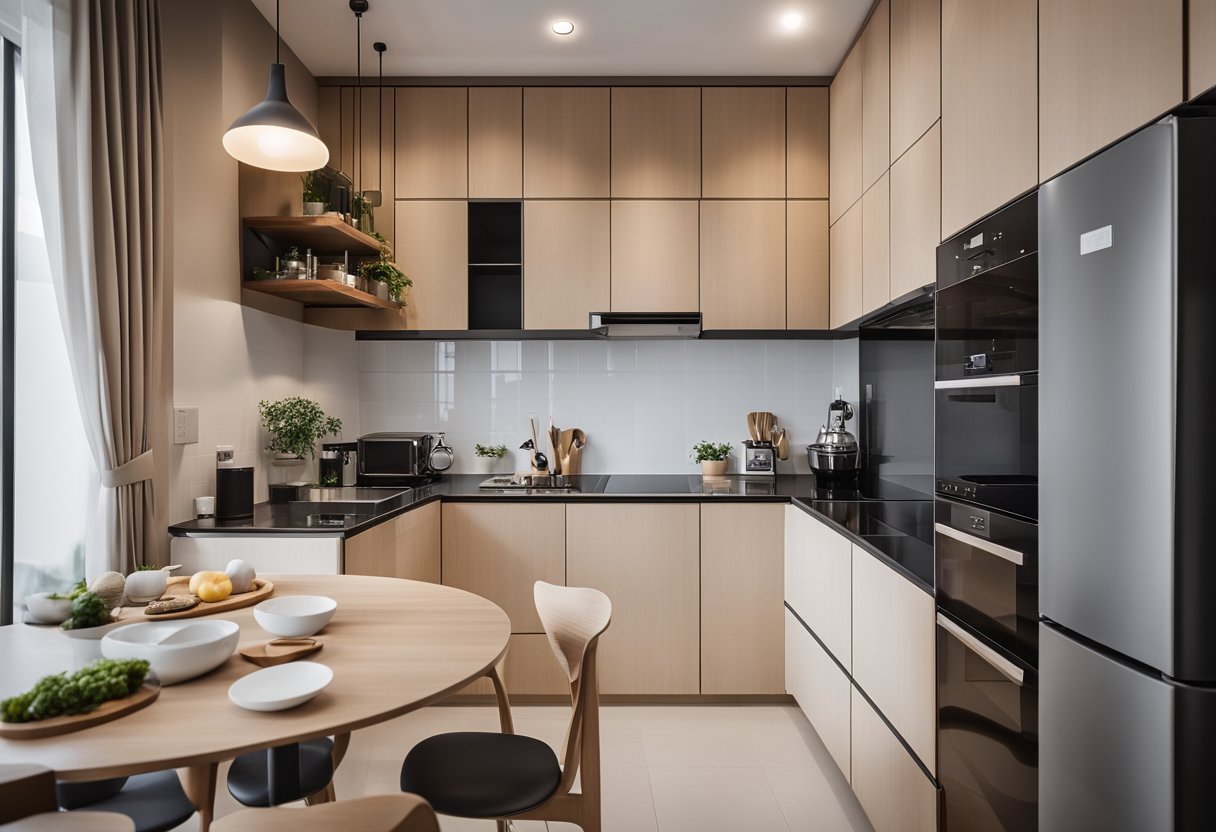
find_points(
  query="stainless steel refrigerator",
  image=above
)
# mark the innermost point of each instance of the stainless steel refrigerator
(1127, 486)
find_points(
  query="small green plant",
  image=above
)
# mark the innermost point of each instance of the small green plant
(296, 425)
(489, 451)
(292, 253)
(384, 270)
(88, 610)
(710, 451)
(312, 188)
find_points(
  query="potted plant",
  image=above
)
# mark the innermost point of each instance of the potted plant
(382, 274)
(315, 202)
(712, 456)
(488, 457)
(291, 260)
(295, 426)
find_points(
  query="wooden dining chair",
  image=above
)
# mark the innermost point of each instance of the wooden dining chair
(511, 777)
(287, 773)
(382, 813)
(27, 801)
(155, 802)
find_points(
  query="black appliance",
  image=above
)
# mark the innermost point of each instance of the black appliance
(401, 459)
(234, 493)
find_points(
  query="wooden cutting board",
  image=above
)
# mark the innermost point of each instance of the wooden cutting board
(262, 589)
(106, 712)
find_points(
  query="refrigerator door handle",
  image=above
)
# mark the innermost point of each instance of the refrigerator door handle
(1007, 668)
(1011, 555)
(978, 383)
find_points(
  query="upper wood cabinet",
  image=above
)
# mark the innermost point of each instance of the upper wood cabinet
(916, 200)
(1201, 47)
(874, 46)
(1108, 67)
(806, 264)
(743, 142)
(989, 157)
(656, 142)
(806, 142)
(876, 245)
(916, 43)
(432, 142)
(366, 151)
(845, 128)
(743, 264)
(566, 142)
(654, 256)
(432, 248)
(496, 143)
(566, 262)
(846, 269)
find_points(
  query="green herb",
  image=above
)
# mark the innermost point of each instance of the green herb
(88, 610)
(490, 451)
(330, 479)
(710, 452)
(72, 594)
(312, 188)
(62, 695)
(292, 253)
(296, 425)
(385, 271)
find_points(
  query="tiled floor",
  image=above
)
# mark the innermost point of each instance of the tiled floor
(665, 768)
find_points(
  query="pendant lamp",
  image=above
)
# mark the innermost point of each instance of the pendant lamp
(273, 134)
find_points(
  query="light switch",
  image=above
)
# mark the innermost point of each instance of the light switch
(185, 425)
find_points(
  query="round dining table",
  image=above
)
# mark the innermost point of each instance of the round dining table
(394, 646)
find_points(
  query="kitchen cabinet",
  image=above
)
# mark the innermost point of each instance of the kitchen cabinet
(1108, 67)
(819, 581)
(496, 142)
(876, 245)
(566, 142)
(821, 689)
(656, 142)
(499, 550)
(407, 546)
(333, 124)
(806, 142)
(369, 161)
(990, 100)
(654, 256)
(742, 580)
(567, 251)
(894, 792)
(432, 246)
(431, 143)
(1201, 47)
(806, 264)
(874, 45)
(915, 71)
(916, 199)
(845, 272)
(645, 557)
(894, 651)
(743, 142)
(845, 129)
(743, 264)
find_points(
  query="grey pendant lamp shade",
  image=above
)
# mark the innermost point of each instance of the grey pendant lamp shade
(273, 134)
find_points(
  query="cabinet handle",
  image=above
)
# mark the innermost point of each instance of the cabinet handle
(1011, 555)
(978, 383)
(1007, 668)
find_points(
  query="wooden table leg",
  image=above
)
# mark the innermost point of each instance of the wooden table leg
(199, 785)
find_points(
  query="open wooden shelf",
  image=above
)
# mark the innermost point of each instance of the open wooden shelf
(320, 292)
(324, 235)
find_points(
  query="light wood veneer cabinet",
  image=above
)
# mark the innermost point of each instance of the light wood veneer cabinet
(806, 142)
(916, 202)
(895, 794)
(432, 143)
(656, 142)
(845, 129)
(743, 264)
(1201, 47)
(654, 256)
(567, 249)
(876, 245)
(846, 268)
(646, 558)
(989, 54)
(566, 142)
(915, 71)
(432, 248)
(370, 161)
(743, 142)
(742, 584)
(874, 46)
(806, 264)
(1107, 68)
(819, 581)
(821, 689)
(408, 547)
(496, 142)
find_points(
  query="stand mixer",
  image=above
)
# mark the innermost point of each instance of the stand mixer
(835, 453)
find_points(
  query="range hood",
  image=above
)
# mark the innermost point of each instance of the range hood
(646, 324)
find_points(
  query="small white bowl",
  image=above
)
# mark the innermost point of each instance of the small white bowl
(177, 650)
(280, 687)
(295, 616)
(44, 609)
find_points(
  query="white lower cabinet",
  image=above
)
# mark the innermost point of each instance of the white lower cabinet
(818, 580)
(820, 688)
(895, 794)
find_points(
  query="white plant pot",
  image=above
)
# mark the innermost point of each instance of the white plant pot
(487, 464)
(314, 209)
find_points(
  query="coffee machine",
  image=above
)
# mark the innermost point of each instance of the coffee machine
(835, 453)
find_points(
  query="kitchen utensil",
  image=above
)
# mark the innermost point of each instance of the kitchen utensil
(781, 444)
(835, 453)
(105, 712)
(752, 430)
(282, 687)
(176, 650)
(262, 590)
(280, 651)
(295, 616)
(441, 457)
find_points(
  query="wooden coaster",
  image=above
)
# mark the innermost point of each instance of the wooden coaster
(280, 651)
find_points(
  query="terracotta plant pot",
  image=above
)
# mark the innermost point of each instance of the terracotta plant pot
(713, 467)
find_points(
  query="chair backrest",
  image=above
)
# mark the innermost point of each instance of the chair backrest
(574, 618)
(26, 789)
(380, 813)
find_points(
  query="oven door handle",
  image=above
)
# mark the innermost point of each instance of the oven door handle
(1006, 668)
(1012, 555)
(978, 383)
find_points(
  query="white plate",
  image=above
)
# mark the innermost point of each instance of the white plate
(281, 687)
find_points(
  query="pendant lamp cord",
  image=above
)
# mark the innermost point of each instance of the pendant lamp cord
(359, 109)
(380, 127)
(277, 39)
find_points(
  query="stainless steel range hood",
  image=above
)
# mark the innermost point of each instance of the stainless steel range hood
(646, 324)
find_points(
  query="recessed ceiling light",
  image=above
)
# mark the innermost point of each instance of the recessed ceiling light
(562, 27)
(791, 21)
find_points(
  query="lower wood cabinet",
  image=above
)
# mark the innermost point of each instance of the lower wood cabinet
(645, 557)
(406, 547)
(892, 789)
(819, 580)
(821, 689)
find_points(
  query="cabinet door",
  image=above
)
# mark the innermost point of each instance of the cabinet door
(806, 264)
(891, 788)
(916, 194)
(875, 95)
(496, 142)
(743, 264)
(876, 245)
(819, 581)
(432, 249)
(742, 628)
(499, 550)
(894, 650)
(806, 142)
(645, 557)
(743, 142)
(566, 262)
(406, 547)
(656, 142)
(846, 269)
(1201, 47)
(990, 157)
(845, 128)
(566, 142)
(654, 256)
(916, 51)
(432, 143)
(821, 690)
(1108, 67)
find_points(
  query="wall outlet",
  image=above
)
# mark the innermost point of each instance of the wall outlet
(185, 425)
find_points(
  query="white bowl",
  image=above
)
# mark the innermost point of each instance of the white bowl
(280, 687)
(177, 650)
(295, 616)
(47, 610)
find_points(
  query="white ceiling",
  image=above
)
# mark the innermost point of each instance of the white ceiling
(611, 37)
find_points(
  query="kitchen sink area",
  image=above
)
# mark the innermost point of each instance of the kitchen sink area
(351, 499)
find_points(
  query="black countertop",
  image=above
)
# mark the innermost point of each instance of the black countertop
(893, 520)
